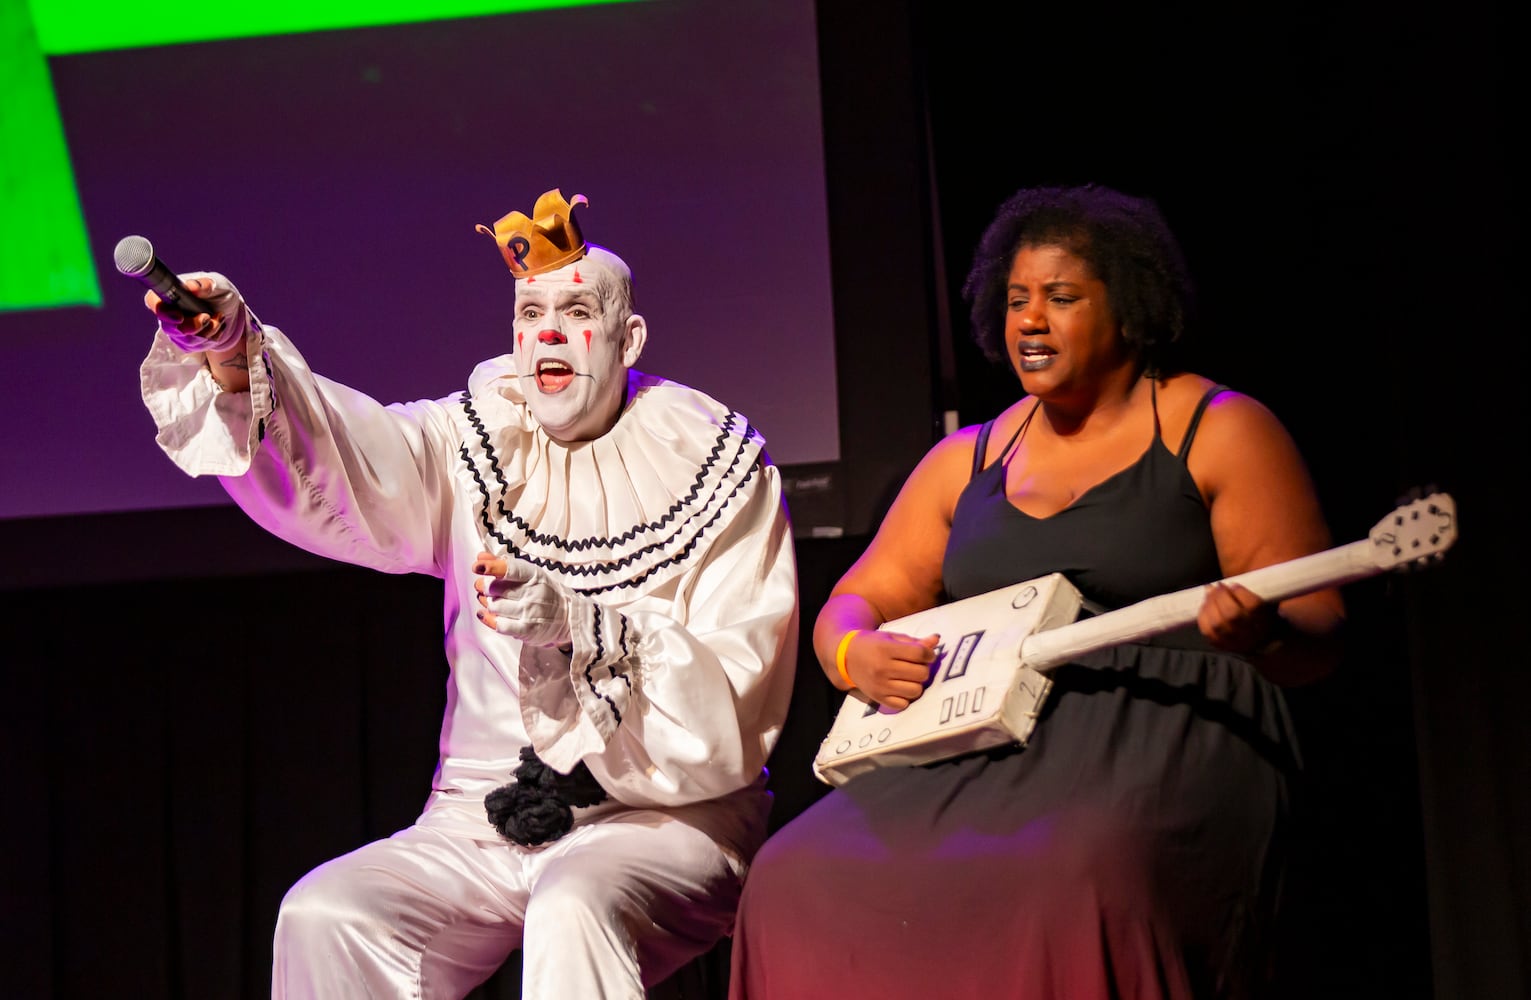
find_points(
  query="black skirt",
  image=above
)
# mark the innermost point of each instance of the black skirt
(1133, 848)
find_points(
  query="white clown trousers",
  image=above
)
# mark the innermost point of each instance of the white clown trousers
(610, 908)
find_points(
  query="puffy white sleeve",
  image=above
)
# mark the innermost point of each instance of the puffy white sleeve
(318, 464)
(678, 704)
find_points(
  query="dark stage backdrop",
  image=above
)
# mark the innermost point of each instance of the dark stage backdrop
(1340, 179)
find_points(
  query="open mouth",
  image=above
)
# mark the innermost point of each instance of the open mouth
(553, 376)
(1034, 355)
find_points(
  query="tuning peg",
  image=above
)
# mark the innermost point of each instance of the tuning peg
(1417, 493)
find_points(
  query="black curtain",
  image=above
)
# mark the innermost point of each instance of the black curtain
(181, 751)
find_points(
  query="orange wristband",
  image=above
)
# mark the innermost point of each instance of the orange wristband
(845, 644)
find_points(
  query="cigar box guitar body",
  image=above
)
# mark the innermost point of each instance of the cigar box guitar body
(990, 676)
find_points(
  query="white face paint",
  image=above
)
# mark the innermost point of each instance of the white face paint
(575, 340)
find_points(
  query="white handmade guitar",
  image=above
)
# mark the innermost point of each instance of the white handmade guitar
(989, 678)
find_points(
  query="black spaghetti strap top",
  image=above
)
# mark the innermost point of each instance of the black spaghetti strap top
(1139, 533)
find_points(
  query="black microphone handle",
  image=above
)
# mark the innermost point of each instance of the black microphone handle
(135, 258)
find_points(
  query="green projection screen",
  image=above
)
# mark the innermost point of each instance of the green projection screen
(45, 260)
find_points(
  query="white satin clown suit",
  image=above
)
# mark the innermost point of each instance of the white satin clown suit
(673, 531)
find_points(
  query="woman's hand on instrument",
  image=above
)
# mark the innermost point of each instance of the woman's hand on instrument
(1235, 619)
(890, 668)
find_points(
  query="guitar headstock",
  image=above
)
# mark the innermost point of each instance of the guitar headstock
(1417, 534)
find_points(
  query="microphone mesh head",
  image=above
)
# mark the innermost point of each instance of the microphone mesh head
(134, 256)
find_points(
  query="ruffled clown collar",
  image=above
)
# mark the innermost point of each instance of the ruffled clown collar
(624, 512)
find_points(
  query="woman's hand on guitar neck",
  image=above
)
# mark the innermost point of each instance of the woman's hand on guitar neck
(1291, 643)
(1234, 619)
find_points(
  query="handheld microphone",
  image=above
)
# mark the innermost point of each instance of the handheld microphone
(135, 258)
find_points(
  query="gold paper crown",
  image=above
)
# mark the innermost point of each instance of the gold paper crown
(546, 241)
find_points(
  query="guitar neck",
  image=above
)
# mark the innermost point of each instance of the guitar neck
(1157, 615)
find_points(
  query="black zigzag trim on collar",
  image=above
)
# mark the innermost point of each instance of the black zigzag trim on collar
(678, 557)
(560, 567)
(730, 429)
(712, 459)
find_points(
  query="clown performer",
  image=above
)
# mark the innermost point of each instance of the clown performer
(621, 626)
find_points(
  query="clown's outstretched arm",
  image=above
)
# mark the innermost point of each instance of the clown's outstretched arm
(316, 463)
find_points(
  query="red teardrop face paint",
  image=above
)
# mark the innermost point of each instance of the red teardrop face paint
(575, 395)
